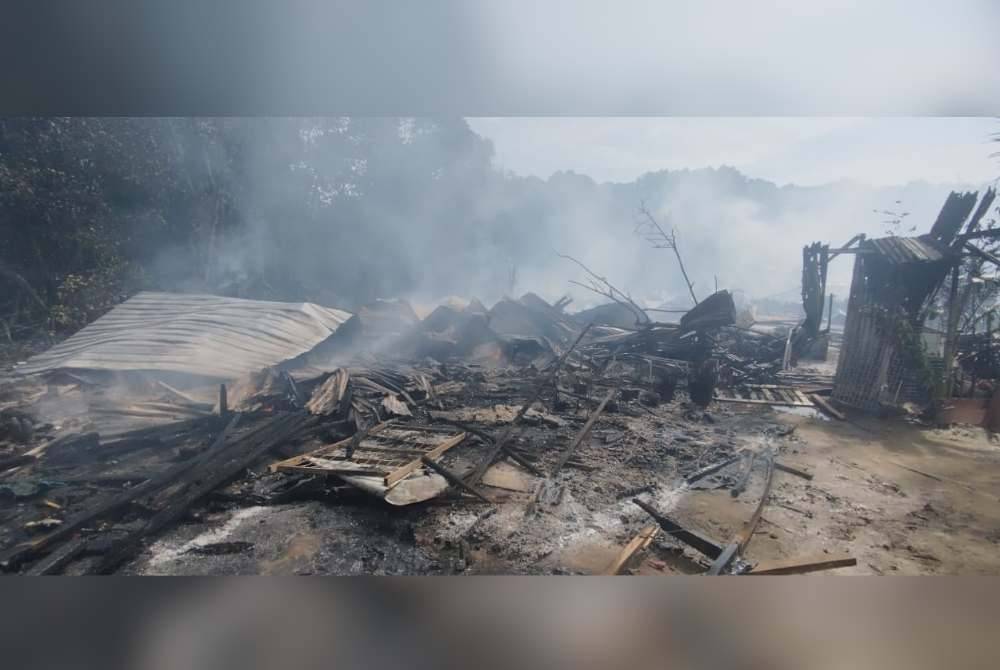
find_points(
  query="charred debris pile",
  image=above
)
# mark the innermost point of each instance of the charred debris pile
(110, 437)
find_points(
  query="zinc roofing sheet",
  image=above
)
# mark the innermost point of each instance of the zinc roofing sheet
(204, 335)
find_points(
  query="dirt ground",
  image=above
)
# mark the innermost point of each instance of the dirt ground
(866, 499)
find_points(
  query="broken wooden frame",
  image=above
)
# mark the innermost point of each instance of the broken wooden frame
(377, 454)
(764, 394)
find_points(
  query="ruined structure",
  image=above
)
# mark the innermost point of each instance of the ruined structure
(884, 359)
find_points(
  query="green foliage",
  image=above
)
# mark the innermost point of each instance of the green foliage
(897, 326)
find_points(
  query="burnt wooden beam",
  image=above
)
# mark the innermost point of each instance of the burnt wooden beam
(56, 562)
(799, 566)
(696, 540)
(453, 479)
(13, 557)
(218, 471)
(985, 255)
(710, 469)
(635, 545)
(584, 432)
(793, 471)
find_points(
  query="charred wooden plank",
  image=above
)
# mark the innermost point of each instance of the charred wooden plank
(799, 566)
(642, 540)
(219, 470)
(56, 562)
(826, 406)
(584, 432)
(452, 478)
(798, 472)
(710, 469)
(13, 557)
(705, 545)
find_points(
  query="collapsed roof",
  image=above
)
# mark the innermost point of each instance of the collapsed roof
(202, 335)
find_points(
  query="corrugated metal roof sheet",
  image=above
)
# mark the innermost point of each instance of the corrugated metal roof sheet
(908, 249)
(203, 335)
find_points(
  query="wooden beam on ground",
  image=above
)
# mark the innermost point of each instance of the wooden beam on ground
(56, 562)
(805, 474)
(14, 556)
(710, 469)
(453, 479)
(638, 543)
(584, 432)
(216, 472)
(827, 407)
(799, 566)
(691, 538)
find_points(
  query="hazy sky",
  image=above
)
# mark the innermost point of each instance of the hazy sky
(800, 150)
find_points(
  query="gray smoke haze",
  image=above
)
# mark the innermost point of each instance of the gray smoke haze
(343, 211)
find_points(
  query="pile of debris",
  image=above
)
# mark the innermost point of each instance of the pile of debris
(97, 458)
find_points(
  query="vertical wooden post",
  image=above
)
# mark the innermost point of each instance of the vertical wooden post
(829, 315)
(223, 402)
(945, 385)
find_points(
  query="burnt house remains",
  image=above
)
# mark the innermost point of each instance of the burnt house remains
(885, 359)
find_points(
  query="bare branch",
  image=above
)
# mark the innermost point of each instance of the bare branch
(601, 286)
(660, 239)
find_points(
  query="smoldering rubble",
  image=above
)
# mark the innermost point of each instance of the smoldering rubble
(186, 434)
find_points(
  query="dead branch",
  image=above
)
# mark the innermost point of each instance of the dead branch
(660, 239)
(601, 286)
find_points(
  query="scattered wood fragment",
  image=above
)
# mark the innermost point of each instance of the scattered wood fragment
(329, 397)
(827, 407)
(800, 566)
(638, 543)
(13, 557)
(225, 464)
(395, 407)
(710, 469)
(797, 471)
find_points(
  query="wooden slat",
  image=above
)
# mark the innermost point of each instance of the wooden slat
(642, 540)
(799, 566)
